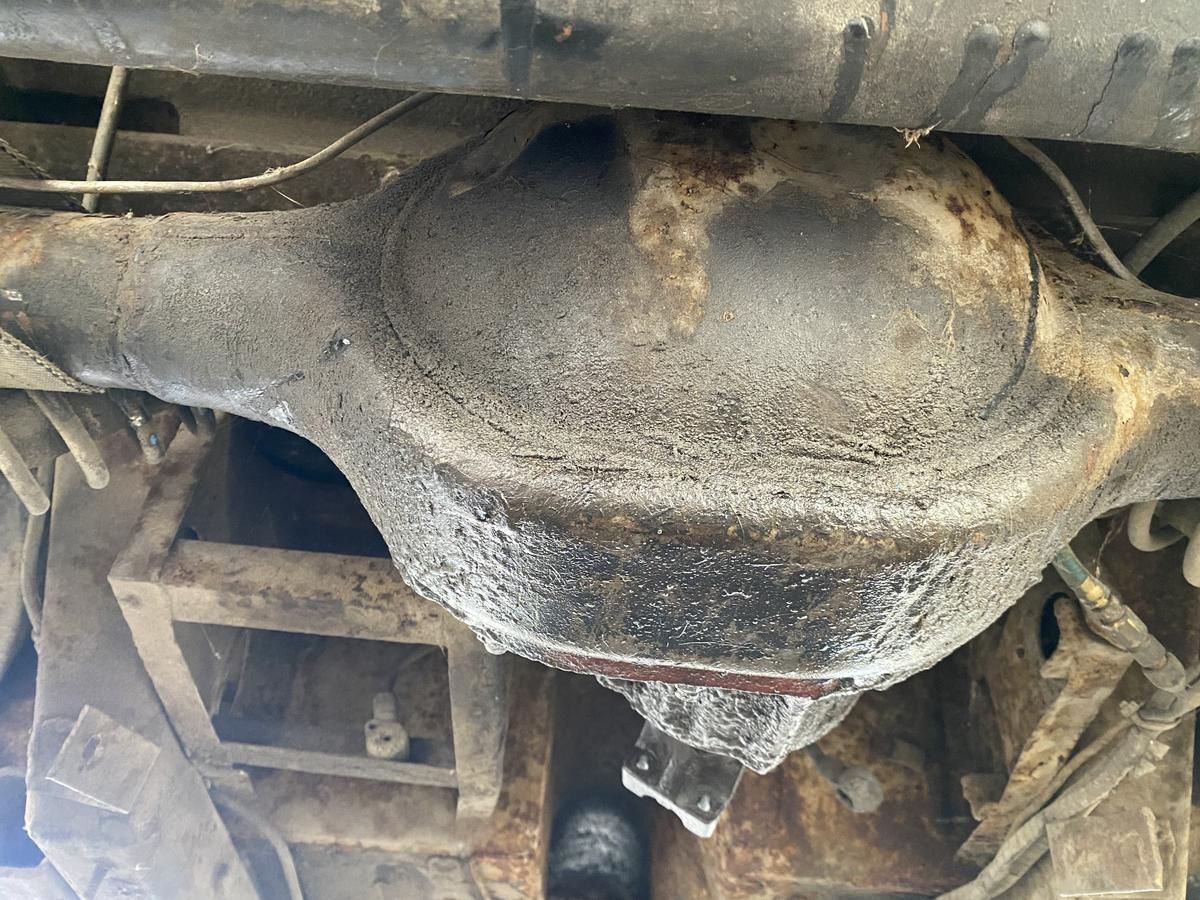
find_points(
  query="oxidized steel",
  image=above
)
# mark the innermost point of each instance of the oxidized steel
(716, 401)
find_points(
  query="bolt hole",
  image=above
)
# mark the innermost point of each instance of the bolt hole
(91, 748)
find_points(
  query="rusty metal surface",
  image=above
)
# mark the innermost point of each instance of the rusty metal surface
(416, 838)
(327, 817)
(479, 714)
(342, 765)
(875, 871)
(678, 863)
(1042, 704)
(787, 466)
(1155, 589)
(320, 810)
(246, 112)
(786, 834)
(1097, 856)
(162, 583)
(1153, 586)
(146, 605)
(509, 861)
(289, 590)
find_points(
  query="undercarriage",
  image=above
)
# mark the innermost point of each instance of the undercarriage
(604, 451)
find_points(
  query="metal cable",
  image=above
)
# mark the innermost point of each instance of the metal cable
(271, 177)
(106, 132)
(1078, 208)
(75, 435)
(272, 836)
(1163, 232)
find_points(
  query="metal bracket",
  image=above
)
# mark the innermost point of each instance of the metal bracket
(693, 784)
(103, 762)
(163, 583)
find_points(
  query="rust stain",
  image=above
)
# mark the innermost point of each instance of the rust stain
(961, 212)
(635, 670)
(786, 835)
(511, 861)
(684, 178)
(1128, 367)
(973, 249)
(681, 187)
(1042, 707)
(20, 248)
